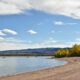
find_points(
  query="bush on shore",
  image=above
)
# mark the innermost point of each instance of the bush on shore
(61, 53)
(72, 52)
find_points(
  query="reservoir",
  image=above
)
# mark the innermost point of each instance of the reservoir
(16, 65)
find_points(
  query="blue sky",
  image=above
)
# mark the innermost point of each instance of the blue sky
(38, 26)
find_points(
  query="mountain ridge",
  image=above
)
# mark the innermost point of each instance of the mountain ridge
(31, 51)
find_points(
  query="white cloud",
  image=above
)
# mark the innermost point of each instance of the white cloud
(63, 23)
(1, 33)
(78, 39)
(32, 32)
(50, 41)
(62, 7)
(6, 8)
(73, 43)
(12, 44)
(1, 38)
(58, 23)
(9, 31)
(14, 40)
(13, 6)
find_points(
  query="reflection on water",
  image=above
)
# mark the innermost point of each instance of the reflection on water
(7, 65)
(13, 65)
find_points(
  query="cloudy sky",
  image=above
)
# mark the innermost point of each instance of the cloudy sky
(39, 23)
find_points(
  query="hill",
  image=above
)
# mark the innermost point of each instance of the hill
(30, 51)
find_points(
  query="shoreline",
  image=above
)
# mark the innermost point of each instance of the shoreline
(63, 72)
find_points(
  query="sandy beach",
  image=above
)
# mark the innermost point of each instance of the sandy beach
(70, 71)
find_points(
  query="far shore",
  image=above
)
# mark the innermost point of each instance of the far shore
(26, 54)
(69, 71)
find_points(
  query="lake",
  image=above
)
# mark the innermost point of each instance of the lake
(17, 65)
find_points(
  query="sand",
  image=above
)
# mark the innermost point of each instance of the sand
(70, 71)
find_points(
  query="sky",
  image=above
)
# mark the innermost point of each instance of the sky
(39, 23)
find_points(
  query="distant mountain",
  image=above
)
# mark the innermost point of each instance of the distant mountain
(31, 51)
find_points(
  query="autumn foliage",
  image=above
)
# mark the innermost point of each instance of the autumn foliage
(71, 52)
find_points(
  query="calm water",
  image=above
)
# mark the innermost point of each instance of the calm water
(15, 65)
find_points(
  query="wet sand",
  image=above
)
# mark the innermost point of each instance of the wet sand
(69, 71)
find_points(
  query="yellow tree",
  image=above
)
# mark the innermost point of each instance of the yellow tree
(62, 53)
(75, 50)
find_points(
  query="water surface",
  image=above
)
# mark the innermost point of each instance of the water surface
(16, 65)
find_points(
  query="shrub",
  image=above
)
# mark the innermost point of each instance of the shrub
(62, 53)
(73, 52)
